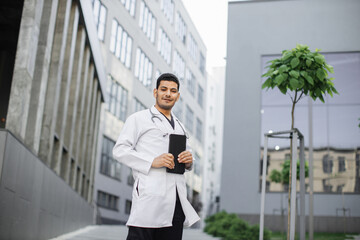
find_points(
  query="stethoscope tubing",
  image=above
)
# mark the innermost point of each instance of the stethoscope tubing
(153, 115)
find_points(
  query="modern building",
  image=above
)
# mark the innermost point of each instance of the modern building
(52, 84)
(139, 40)
(259, 31)
(213, 142)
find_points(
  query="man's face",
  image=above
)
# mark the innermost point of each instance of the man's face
(166, 95)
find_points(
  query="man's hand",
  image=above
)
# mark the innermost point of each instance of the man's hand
(187, 158)
(164, 160)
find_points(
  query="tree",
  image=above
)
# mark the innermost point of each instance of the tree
(283, 175)
(303, 73)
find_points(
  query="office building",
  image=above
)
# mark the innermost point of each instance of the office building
(140, 40)
(259, 31)
(213, 142)
(52, 86)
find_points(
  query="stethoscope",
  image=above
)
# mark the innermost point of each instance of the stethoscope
(153, 115)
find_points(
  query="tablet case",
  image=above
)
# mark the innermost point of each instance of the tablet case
(177, 144)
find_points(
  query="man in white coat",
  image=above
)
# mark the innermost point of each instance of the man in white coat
(160, 207)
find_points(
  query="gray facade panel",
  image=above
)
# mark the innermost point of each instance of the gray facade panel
(10, 168)
(34, 199)
(260, 28)
(7, 202)
(2, 150)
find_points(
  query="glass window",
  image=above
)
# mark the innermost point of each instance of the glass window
(179, 66)
(192, 48)
(118, 99)
(128, 206)
(143, 68)
(180, 28)
(157, 73)
(167, 6)
(130, 6)
(138, 106)
(200, 96)
(164, 46)
(199, 129)
(120, 44)
(189, 119)
(341, 167)
(147, 21)
(130, 178)
(190, 81)
(108, 165)
(336, 141)
(113, 36)
(100, 13)
(107, 200)
(178, 109)
(197, 164)
(327, 187)
(202, 63)
(328, 164)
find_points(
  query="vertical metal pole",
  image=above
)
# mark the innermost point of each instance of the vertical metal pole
(293, 186)
(263, 186)
(302, 190)
(311, 174)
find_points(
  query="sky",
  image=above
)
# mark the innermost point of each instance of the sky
(210, 19)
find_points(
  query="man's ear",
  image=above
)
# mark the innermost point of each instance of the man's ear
(155, 92)
(178, 96)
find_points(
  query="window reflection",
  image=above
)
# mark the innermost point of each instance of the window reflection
(336, 135)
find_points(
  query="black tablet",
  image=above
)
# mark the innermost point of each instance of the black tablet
(177, 144)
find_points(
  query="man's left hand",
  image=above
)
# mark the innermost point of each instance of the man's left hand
(186, 157)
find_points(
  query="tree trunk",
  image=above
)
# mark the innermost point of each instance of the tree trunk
(291, 142)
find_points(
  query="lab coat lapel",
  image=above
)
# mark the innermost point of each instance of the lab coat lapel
(165, 125)
(178, 129)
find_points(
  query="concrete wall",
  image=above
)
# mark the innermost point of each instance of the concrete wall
(257, 28)
(35, 203)
(48, 146)
(57, 88)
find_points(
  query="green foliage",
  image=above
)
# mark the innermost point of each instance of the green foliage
(231, 227)
(283, 176)
(286, 170)
(300, 70)
(275, 176)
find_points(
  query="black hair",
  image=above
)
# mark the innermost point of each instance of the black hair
(167, 77)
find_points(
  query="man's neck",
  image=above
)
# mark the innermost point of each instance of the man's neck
(167, 113)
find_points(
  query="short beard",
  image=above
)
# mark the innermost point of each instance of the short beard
(165, 107)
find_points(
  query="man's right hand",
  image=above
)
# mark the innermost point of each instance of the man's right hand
(164, 160)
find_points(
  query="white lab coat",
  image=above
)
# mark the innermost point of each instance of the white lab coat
(154, 191)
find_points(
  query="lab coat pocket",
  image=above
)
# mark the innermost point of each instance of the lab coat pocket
(156, 182)
(138, 187)
(136, 190)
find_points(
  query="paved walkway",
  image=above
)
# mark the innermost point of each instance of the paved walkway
(109, 232)
(357, 237)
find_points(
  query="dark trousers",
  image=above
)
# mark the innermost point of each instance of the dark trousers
(166, 233)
